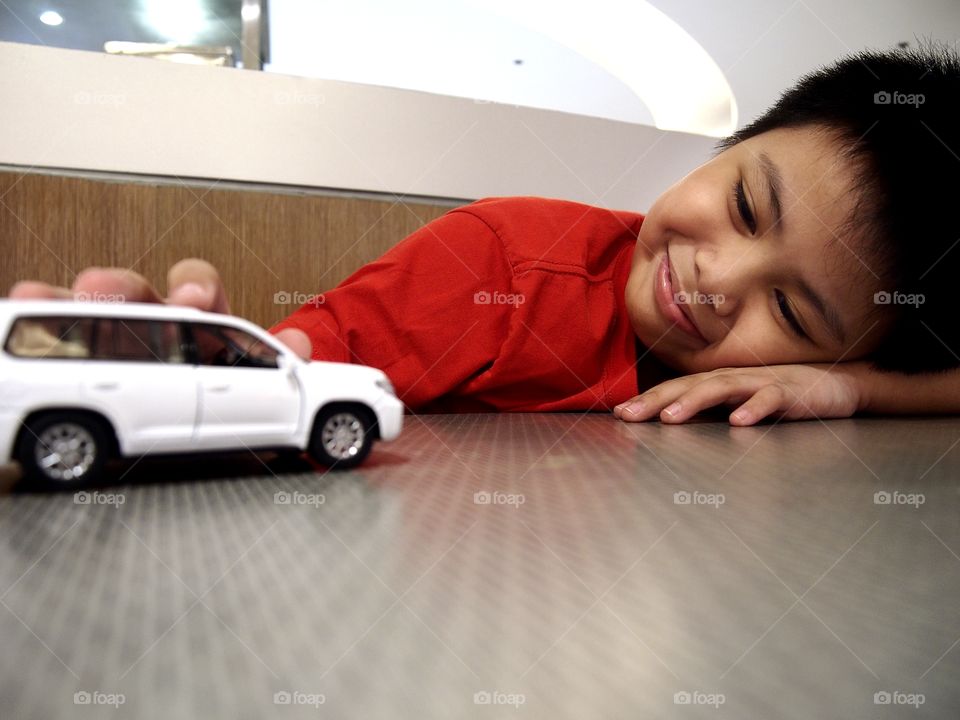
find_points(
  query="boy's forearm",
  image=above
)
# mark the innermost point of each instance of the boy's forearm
(898, 394)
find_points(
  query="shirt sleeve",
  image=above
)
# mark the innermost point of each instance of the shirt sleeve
(421, 312)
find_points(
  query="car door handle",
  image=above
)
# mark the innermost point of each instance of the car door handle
(218, 388)
(106, 385)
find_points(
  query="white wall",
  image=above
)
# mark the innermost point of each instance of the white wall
(764, 46)
(92, 111)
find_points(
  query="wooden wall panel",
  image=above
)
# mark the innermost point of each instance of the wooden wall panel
(39, 228)
(113, 222)
(197, 222)
(263, 243)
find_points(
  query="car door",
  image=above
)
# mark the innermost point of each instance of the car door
(139, 376)
(246, 398)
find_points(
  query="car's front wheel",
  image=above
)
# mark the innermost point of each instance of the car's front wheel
(342, 436)
(63, 450)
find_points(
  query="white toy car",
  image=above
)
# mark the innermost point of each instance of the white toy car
(82, 381)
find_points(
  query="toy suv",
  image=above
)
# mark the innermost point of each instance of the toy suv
(81, 382)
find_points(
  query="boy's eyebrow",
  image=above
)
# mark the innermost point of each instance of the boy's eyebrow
(827, 313)
(774, 189)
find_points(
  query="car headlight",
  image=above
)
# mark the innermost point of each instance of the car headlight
(385, 385)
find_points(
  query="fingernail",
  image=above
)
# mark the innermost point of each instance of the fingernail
(740, 415)
(193, 288)
(636, 407)
(672, 409)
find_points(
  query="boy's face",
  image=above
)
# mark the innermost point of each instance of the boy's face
(732, 269)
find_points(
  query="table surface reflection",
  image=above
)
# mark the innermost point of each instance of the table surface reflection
(524, 565)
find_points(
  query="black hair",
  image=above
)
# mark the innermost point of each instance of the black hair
(896, 116)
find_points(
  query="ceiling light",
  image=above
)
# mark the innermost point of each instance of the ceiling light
(51, 17)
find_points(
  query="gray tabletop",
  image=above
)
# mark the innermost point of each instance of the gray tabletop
(522, 566)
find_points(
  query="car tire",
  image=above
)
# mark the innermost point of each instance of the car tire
(63, 450)
(342, 436)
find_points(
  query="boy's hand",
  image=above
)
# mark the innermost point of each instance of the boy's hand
(191, 282)
(792, 392)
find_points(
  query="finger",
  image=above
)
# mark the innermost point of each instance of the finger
(116, 284)
(716, 391)
(637, 409)
(767, 400)
(297, 340)
(33, 290)
(648, 404)
(197, 283)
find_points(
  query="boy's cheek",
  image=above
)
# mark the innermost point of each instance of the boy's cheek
(650, 243)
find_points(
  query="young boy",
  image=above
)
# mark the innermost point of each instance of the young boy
(804, 271)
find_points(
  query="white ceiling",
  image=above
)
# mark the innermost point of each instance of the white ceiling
(621, 59)
(761, 46)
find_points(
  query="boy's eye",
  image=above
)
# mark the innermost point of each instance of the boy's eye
(788, 314)
(743, 207)
(740, 198)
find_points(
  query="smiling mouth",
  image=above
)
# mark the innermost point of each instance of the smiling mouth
(664, 295)
(685, 309)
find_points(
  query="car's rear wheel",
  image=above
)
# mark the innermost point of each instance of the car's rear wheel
(63, 450)
(342, 436)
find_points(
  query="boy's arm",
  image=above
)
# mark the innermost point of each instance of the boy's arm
(418, 312)
(892, 393)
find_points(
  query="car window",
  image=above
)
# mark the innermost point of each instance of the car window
(228, 347)
(50, 337)
(137, 340)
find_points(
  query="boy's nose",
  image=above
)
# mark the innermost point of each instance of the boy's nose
(728, 275)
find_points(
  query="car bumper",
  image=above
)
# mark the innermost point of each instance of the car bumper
(389, 416)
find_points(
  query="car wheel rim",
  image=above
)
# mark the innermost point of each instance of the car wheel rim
(342, 436)
(65, 451)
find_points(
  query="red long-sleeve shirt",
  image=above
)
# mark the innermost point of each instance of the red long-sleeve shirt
(505, 304)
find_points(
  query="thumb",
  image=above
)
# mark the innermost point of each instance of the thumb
(296, 340)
